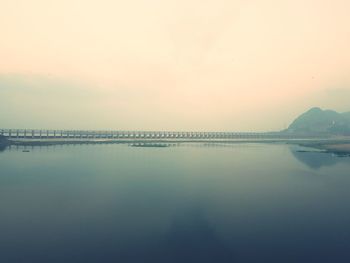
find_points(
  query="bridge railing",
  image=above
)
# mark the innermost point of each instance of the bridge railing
(93, 135)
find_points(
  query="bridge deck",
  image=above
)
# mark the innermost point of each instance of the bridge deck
(93, 135)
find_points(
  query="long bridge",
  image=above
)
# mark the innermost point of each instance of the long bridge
(143, 135)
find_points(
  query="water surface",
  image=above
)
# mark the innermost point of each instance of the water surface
(185, 203)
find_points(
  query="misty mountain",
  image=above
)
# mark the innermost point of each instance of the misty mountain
(318, 121)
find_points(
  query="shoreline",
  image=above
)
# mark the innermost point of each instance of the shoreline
(335, 146)
(4, 142)
(341, 148)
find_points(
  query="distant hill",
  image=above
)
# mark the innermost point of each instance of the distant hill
(318, 121)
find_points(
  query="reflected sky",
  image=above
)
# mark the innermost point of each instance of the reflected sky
(115, 203)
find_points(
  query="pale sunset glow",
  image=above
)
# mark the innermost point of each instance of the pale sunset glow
(174, 131)
(171, 65)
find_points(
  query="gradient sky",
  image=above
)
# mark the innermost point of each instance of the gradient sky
(221, 65)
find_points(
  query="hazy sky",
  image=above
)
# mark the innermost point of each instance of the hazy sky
(226, 65)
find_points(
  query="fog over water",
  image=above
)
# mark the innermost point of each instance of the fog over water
(174, 65)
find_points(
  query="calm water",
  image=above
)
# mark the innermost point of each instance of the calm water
(189, 203)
